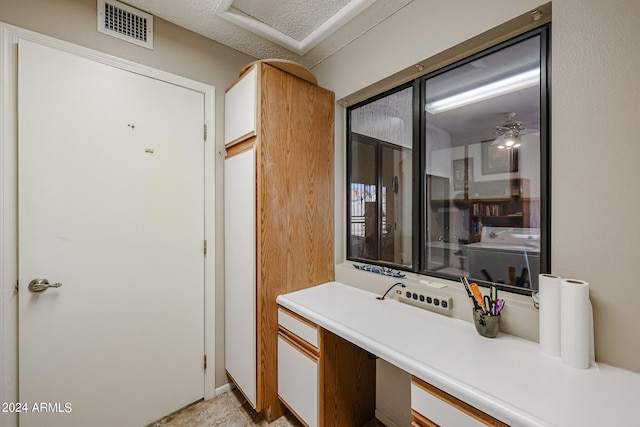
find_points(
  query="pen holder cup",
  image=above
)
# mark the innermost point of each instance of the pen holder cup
(486, 325)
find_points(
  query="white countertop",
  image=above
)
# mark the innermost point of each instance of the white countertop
(506, 377)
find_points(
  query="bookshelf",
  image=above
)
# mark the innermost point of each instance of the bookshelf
(500, 203)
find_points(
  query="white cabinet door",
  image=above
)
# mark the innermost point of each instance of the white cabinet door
(298, 382)
(240, 109)
(438, 411)
(240, 271)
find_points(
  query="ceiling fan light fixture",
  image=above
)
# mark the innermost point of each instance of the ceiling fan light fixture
(509, 140)
(508, 133)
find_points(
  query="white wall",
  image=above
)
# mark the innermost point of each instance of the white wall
(595, 158)
(595, 127)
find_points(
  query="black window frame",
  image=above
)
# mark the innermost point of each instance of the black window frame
(419, 186)
(378, 143)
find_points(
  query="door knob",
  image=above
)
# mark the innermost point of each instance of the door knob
(40, 285)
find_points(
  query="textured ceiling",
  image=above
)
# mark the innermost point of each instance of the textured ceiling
(295, 18)
(305, 31)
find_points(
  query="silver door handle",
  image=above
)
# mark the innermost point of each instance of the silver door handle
(40, 285)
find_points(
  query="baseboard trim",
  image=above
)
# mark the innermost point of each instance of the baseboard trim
(385, 420)
(225, 388)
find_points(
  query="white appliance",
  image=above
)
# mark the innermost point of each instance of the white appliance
(503, 247)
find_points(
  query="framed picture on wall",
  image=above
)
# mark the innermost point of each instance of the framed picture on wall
(462, 173)
(498, 160)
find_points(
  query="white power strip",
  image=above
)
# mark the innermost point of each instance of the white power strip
(424, 299)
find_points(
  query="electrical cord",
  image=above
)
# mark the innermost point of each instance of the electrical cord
(392, 286)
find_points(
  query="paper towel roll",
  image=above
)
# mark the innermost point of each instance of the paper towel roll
(576, 324)
(549, 319)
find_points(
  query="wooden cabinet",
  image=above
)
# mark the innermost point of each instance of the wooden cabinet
(280, 238)
(323, 379)
(432, 407)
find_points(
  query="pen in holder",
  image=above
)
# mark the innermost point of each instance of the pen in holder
(486, 309)
(486, 325)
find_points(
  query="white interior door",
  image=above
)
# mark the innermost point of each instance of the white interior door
(111, 205)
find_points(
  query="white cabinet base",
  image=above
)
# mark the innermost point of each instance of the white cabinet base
(298, 381)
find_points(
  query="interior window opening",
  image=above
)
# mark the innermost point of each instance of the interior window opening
(380, 205)
(478, 206)
(482, 150)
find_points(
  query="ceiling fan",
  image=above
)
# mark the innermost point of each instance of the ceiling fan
(508, 133)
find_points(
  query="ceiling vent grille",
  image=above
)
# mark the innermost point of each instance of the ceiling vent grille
(126, 23)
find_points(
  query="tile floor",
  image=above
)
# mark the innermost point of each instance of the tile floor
(229, 409)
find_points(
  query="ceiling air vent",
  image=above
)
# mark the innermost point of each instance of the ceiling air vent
(124, 22)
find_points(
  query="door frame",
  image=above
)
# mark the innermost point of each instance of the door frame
(9, 36)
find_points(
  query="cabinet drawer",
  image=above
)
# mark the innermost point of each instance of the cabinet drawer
(298, 326)
(435, 406)
(298, 381)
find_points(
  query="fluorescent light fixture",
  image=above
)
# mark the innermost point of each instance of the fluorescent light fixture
(501, 87)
